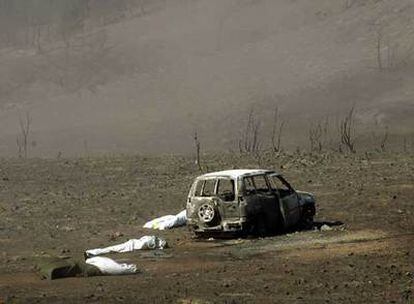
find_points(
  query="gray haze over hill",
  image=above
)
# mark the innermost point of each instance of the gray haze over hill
(140, 76)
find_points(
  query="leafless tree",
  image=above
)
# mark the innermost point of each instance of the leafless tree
(277, 130)
(250, 139)
(23, 139)
(19, 147)
(223, 16)
(315, 137)
(347, 130)
(141, 5)
(319, 135)
(405, 144)
(384, 140)
(380, 139)
(327, 141)
(389, 52)
(379, 42)
(348, 3)
(197, 149)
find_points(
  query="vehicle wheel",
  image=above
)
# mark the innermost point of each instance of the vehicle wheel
(207, 213)
(247, 230)
(306, 223)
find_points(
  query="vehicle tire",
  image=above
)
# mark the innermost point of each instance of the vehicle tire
(306, 223)
(208, 214)
(247, 230)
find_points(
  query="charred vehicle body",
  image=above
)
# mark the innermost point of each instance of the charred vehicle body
(246, 202)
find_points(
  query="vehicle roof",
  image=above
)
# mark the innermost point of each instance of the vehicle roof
(236, 173)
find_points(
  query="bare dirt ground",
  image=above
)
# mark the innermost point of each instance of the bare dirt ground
(64, 206)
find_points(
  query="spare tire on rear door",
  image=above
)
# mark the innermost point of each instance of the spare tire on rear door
(208, 213)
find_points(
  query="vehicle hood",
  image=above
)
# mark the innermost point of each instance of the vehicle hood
(306, 197)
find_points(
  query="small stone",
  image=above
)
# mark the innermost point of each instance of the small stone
(89, 296)
(226, 284)
(115, 235)
(99, 288)
(326, 228)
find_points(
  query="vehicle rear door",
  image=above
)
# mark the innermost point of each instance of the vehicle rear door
(203, 191)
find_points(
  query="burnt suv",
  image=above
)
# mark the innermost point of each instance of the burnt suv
(247, 202)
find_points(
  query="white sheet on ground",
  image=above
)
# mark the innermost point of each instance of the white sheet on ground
(109, 266)
(168, 221)
(146, 242)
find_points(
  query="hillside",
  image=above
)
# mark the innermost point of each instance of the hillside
(141, 76)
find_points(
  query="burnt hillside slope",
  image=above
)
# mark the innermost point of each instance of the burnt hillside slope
(122, 76)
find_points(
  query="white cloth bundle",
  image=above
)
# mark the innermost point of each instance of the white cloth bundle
(109, 266)
(168, 221)
(146, 242)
